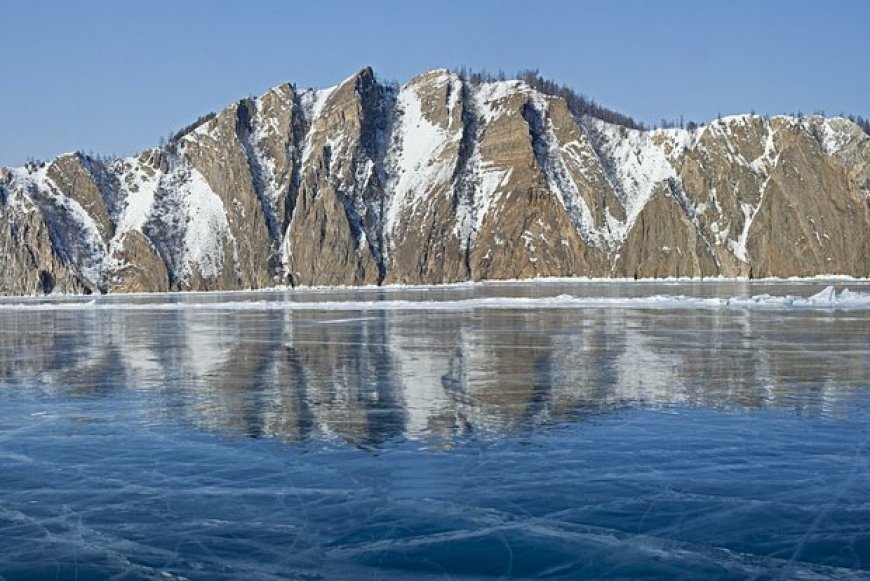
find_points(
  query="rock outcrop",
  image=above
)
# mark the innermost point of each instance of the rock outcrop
(438, 181)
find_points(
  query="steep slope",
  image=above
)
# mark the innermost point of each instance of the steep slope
(440, 180)
(427, 152)
(334, 236)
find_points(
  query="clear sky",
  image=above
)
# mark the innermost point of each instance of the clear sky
(113, 76)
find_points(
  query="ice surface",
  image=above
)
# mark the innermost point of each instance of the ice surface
(827, 298)
(604, 442)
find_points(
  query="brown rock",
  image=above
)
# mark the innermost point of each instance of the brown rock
(439, 181)
(664, 243)
(30, 264)
(332, 237)
(140, 268)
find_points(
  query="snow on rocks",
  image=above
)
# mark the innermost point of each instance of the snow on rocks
(636, 162)
(206, 222)
(75, 232)
(138, 186)
(552, 157)
(416, 159)
(414, 145)
(313, 101)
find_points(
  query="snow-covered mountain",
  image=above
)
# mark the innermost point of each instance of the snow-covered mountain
(438, 181)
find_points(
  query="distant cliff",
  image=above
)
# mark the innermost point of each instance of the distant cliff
(438, 181)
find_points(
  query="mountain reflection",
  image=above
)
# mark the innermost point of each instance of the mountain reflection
(370, 376)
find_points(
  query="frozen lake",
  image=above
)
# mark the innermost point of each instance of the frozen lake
(557, 430)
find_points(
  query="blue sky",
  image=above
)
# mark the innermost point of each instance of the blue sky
(114, 76)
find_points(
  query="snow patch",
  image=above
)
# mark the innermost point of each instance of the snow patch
(75, 231)
(636, 162)
(265, 127)
(738, 247)
(138, 186)
(559, 180)
(190, 221)
(482, 185)
(415, 161)
(762, 166)
(489, 97)
(207, 225)
(313, 101)
(835, 134)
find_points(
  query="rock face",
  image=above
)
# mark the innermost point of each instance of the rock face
(433, 182)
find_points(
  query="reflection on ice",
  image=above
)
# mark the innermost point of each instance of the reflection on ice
(370, 376)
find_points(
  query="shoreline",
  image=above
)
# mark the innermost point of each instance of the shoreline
(463, 284)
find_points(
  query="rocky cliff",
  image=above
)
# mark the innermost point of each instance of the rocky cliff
(438, 181)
